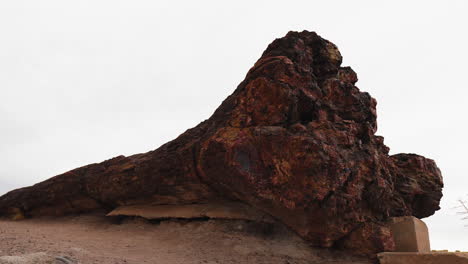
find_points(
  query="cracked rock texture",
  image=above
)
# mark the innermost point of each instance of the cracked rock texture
(295, 140)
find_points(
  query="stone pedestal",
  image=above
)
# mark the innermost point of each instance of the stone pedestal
(410, 234)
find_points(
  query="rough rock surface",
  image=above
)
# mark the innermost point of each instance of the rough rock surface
(295, 140)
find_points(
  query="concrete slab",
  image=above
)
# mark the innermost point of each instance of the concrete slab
(423, 258)
(410, 234)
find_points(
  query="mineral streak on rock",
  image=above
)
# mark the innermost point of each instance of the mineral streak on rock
(295, 140)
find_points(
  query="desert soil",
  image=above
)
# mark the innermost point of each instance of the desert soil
(96, 239)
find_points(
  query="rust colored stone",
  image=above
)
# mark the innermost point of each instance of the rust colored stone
(369, 239)
(295, 140)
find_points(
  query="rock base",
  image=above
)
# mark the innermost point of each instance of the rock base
(410, 234)
(422, 258)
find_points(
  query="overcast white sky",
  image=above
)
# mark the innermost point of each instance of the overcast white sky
(83, 81)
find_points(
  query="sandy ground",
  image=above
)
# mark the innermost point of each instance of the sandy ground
(97, 239)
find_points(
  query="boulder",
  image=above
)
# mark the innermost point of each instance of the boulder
(296, 140)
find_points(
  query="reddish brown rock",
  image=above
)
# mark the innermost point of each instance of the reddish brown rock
(295, 140)
(369, 239)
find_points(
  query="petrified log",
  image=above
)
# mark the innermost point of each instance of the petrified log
(295, 140)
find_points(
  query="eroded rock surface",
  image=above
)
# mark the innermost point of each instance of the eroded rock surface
(219, 210)
(295, 140)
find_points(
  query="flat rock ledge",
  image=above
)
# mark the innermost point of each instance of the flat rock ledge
(228, 210)
(423, 258)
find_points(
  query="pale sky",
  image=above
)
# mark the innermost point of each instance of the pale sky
(83, 81)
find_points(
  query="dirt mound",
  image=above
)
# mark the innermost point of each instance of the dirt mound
(95, 239)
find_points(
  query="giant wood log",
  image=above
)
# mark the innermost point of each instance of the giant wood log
(296, 140)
